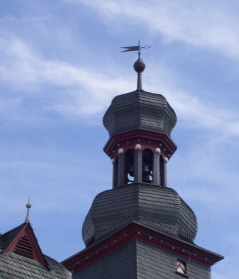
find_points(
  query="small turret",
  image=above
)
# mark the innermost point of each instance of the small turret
(139, 124)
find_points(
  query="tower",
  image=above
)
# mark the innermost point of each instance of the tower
(140, 228)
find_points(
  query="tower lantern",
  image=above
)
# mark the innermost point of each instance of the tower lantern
(139, 124)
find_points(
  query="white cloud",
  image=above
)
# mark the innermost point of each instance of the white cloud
(83, 91)
(80, 91)
(209, 24)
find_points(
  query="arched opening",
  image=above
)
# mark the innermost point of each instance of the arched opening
(129, 165)
(147, 166)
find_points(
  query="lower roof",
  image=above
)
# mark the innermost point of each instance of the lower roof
(16, 266)
(160, 208)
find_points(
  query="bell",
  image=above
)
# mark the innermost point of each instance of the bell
(146, 170)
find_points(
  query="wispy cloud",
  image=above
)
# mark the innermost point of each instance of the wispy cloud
(76, 91)
(80, 90)
(206, 24)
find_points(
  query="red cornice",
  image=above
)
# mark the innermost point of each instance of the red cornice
(145, 234)
(28, 232)
(116, 141)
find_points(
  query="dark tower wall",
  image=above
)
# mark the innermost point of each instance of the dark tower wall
(139, 260)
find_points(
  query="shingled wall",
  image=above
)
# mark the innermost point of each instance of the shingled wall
(139, 260)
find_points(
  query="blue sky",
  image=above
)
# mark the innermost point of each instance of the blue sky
(60, 67)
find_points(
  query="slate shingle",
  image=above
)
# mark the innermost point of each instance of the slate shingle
(139, 110)
(139, 260)
(160, 208)
(16, 266)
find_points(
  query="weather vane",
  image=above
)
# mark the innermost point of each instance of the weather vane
(135, 48)
(139, 65)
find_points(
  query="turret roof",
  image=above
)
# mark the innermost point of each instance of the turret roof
(139, 110)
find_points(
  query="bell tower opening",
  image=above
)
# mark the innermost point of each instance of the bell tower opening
(147, 166)
(129, 158)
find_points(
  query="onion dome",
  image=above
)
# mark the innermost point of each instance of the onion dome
(139, 110)
(159, 208)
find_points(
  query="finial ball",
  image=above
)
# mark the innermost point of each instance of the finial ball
(139, 66)
(28, 205)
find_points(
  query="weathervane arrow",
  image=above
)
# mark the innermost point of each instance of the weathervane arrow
(134, 48)
(131, 48)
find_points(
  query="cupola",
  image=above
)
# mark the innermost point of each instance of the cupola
(139, 125)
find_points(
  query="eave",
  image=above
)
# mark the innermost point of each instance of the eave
(139, 136)
(145, 234)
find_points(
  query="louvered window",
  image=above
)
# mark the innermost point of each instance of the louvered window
(24, 247)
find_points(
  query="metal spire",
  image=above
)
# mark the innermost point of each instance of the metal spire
(139, 65)
(28, 206)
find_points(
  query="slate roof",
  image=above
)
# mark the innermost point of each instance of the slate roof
(160, 208)
(139, 110)
(14, 266)
(7, 238)
(139, 260)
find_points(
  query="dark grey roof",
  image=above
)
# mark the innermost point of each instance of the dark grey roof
(7, 238)
(17, 266)
(139, 110)
(160, 208)
(139, 260)
(14, 266)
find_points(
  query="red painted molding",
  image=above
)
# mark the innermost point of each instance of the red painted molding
(147, 139)
(27, 231)
(145, 234)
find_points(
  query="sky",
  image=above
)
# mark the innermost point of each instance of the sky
(60, 67)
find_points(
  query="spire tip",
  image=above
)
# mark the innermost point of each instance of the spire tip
(28, 206)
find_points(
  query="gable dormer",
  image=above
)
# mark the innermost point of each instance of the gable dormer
(24, 243)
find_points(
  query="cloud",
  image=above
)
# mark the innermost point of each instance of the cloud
(202, 24)
(190, 110)
(80, 92)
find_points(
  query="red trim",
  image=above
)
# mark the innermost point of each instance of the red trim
(28, 232)
(129, 139)
(145, 234)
